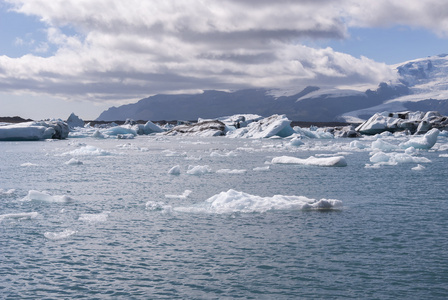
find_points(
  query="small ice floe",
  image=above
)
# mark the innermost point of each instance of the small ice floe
(357, 144)
(234, 201)
(174, 170)
(198, 170)
(223, 154)
(425, 142)
(28, 164)
(231, 171)
(88, 150)
(45, 197)
(94, 218)
(20, 216)
(170, 153)
(419, 167)
(158, 206)
(335, 161)
(383, 145)
(296, 142)
(184, 195)
(6, 192)
(73, 162)
(266, 168)
(396, 158)
(59, 235)
(443, 155)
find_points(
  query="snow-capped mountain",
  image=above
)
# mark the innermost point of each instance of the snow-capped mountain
(422, 85)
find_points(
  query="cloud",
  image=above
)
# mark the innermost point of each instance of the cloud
(132, 49)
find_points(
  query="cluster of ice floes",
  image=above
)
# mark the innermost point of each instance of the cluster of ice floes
(414, 122)
(239, 202)
(33, 131)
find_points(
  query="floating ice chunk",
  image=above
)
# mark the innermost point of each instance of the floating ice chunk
(229, 171)
(296, 142)
(28, 164)
(59, 235)
(44, 197)
(153, 205)
(336, 161)
(443, 155)
(234, 201)
(261, 168)
(382, 145)
(374, 166)
(419, 167)
(184, 195)
(6, 192)
(170, 153)
(225, 154)
(411, 151)
(88, 150)
(73, 162)
(174, 170)
(357, 144)
(425, 142)
(275, 125)
(93, 218)
(128, 136)
(395, 158)
(120, 130)
(198, 170)
(20, 216)
(159, 206)
(97, 134)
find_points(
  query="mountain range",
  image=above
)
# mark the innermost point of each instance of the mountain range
(422, 85)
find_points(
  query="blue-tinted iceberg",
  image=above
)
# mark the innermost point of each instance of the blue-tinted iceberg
(34, 131)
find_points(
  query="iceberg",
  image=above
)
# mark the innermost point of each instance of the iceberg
(19, 216)
(203, 129)
(425, 142)
(234, 201)
(44, 197)
(59, 235)
(275, 125)
(88, 150)
(174, 170)
(34, 131)
(74, 121)
(231, 171)
(335, 161)
(184, 195)
(396, 158)
(416, 122)
(198, 170)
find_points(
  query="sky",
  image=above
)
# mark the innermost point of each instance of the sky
(84, 56)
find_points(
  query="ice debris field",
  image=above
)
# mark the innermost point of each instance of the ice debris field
(193, 210)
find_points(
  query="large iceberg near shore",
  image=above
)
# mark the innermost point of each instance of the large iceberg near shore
(34, 131)
(416, 122)
(275, 125)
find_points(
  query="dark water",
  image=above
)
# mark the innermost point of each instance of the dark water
(389, 241)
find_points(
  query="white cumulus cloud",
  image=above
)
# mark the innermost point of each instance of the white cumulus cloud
(121, 50)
